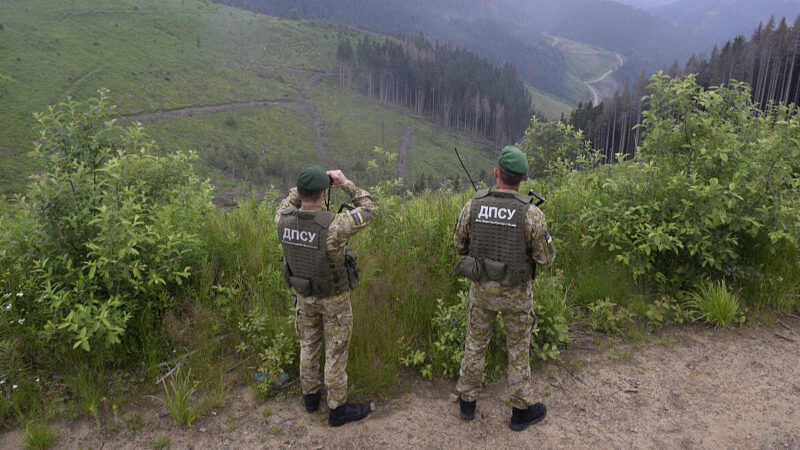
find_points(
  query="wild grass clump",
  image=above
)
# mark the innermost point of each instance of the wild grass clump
(178, 397)
(717, 305)
(38, 436)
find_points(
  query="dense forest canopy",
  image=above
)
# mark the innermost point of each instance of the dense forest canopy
(769, 62)
(453, 87)
(510, 31)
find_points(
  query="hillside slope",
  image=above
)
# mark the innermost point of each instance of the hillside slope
(232, 84)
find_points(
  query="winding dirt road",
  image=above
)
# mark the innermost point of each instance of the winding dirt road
(595, 94)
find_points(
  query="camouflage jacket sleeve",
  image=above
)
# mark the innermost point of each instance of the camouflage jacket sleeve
(461, 233)
(291, 202)
(538, 237)
(347, 224)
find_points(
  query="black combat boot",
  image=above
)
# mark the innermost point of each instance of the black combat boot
(349, 412)
(467, 409)
(311, 401)
(523, 418)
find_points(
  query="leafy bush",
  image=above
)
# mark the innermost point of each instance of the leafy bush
(450, 330)
(553, 147)
(664, 311)
(276, 347)
(715, 181)
(107, 235)
(716, 305)
(607, 316)
(549, 332)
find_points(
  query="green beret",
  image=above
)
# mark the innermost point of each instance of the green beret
(513, 160)
(313, 178)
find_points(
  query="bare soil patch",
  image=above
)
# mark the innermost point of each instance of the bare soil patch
(688, 387)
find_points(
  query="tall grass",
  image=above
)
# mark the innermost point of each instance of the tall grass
(716, 304)
(407, 260)
(38, 436)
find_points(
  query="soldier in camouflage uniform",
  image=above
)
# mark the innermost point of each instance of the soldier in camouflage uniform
(503, 237)
(320, 267)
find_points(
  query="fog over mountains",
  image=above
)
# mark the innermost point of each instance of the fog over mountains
(648, 34)
(719, 20)
(512, 30)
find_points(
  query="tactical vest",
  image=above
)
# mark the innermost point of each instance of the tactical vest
(307, 268)
(497, 237)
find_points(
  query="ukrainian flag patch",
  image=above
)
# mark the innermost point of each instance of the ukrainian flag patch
(357, 218)
(548, 238)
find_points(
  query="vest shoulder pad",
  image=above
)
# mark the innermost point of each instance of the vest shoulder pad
(289, 212)
(324, 218)
(524, 198)
(482, 193)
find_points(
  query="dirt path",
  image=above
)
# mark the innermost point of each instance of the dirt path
(406, 141)
(691, 387)
(595, 94)
(314, 116)
(152, 116)
(304, 107)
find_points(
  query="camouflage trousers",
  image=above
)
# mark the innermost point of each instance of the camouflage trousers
(516, 306)
(330, 318)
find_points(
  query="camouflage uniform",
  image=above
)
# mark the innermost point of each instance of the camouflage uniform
(331, 317)
(488, 298)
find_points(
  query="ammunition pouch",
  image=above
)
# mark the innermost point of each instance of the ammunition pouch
(491, 270)
(352, 268)
(469, 267)
(495, 270)
(287, 273)
(326, 287)
(301, 285)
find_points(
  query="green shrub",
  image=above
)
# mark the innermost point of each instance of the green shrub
(446, 351)
(549, 332)
(666, 310)
(716, 305)
(715, 181)
(276, 347)
(607, 316)
(108, 233)
(553, 147)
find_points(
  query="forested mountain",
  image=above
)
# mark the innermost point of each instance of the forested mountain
(453, 87)
(719, 20)
(646, 4)
(769, 62)
(511, 30)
